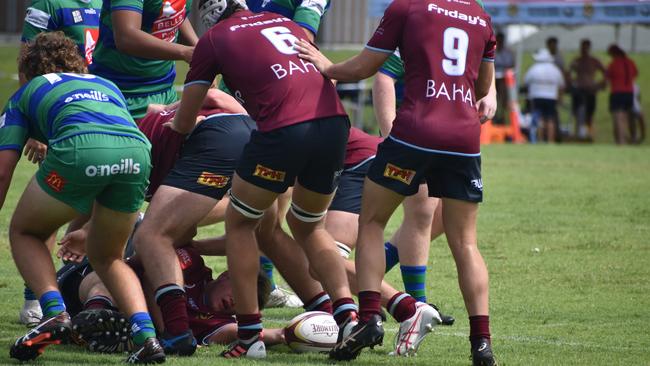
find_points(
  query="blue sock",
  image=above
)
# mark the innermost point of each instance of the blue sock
(52, 304)
(267, 268)
(392, 256)
(142, 327)
(28, 294)
(414, 278)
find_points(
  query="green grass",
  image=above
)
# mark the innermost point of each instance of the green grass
(564, 231)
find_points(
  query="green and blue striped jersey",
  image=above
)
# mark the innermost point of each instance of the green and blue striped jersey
(136, 76)
(54, 107)
(78, 19)
(307, 13)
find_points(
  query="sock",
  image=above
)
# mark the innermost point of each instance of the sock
(141, 327)
(369, 304)
(267, 267)
(392, 256)
(320, 302)
(343, 308)
(28, 294)
(98, 302)
(401, 306)
(248, 326)
(414, 278)
(52, 304)
(173, 306)
(479, 327)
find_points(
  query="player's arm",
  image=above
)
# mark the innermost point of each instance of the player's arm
(384, 102)
(191, 102)
(485, 79)
(487, 106)
(130, 39)
(188, 36)
(8, 161)
(308, 15)
(216, 98)
(359, 67)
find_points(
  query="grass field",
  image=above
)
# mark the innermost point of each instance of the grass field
(564, 230)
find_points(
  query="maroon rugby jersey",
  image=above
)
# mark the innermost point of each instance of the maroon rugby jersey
(165, 143)
(255, 55)
(360, 147)
(442, 44)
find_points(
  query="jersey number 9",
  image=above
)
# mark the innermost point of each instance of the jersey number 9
(455, 42)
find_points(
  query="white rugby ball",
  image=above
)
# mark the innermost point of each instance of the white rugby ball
(313, 331)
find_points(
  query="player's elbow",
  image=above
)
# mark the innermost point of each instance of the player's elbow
(124, 42)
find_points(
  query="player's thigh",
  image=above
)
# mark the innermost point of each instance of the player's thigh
(108, 232)
(174, 211)
(460, 222)
(38, 213)
(325, 145)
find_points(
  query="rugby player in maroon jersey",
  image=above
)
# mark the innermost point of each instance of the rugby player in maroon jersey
(448, 51)
(300, 142)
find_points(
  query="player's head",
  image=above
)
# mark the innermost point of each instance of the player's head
(218, 293)
(213, 11)
(551, 44)
(585, 46)
(615, 51)
(48, 53)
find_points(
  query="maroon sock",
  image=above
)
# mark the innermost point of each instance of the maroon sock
(172, 301)
(479, 327)
(401, 306)
(369, 304)
(98, 302)
(248, 325)
(320, 302)
(343, 309)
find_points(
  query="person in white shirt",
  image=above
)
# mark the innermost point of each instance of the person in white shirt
(545, 83)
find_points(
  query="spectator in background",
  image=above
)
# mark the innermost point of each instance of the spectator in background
(553, 48)
(621, 73)
(584, 86)
(504, 59)
(545, 83)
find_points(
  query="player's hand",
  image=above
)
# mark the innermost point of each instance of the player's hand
(175, 128)
(187, 53)
(487, 108)
(73, 246)
(35, 151)
(308, 52)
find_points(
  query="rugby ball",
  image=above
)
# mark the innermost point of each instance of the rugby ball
(313, 331)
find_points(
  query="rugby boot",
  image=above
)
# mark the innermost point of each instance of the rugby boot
(446, 319)
(363, 334)
(183, 344)
(413, 330)
(101, 330)
(482, 353)
(52, 330)
(249, 348)
(149, 352)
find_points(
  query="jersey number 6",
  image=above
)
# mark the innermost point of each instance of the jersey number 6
(281, 38)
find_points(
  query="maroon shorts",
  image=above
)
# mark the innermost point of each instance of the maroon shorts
(205, 326)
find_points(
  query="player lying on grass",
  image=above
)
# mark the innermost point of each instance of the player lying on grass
(98, 165)
(435, 137)
(301, 141)
(100, 327)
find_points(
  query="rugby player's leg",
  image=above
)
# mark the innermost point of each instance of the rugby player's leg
(460, 227)
(171, 217)
(291, 261)
(247, 205)
(343, 227)
(36, 218)
(412, 241)
(307, 222)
